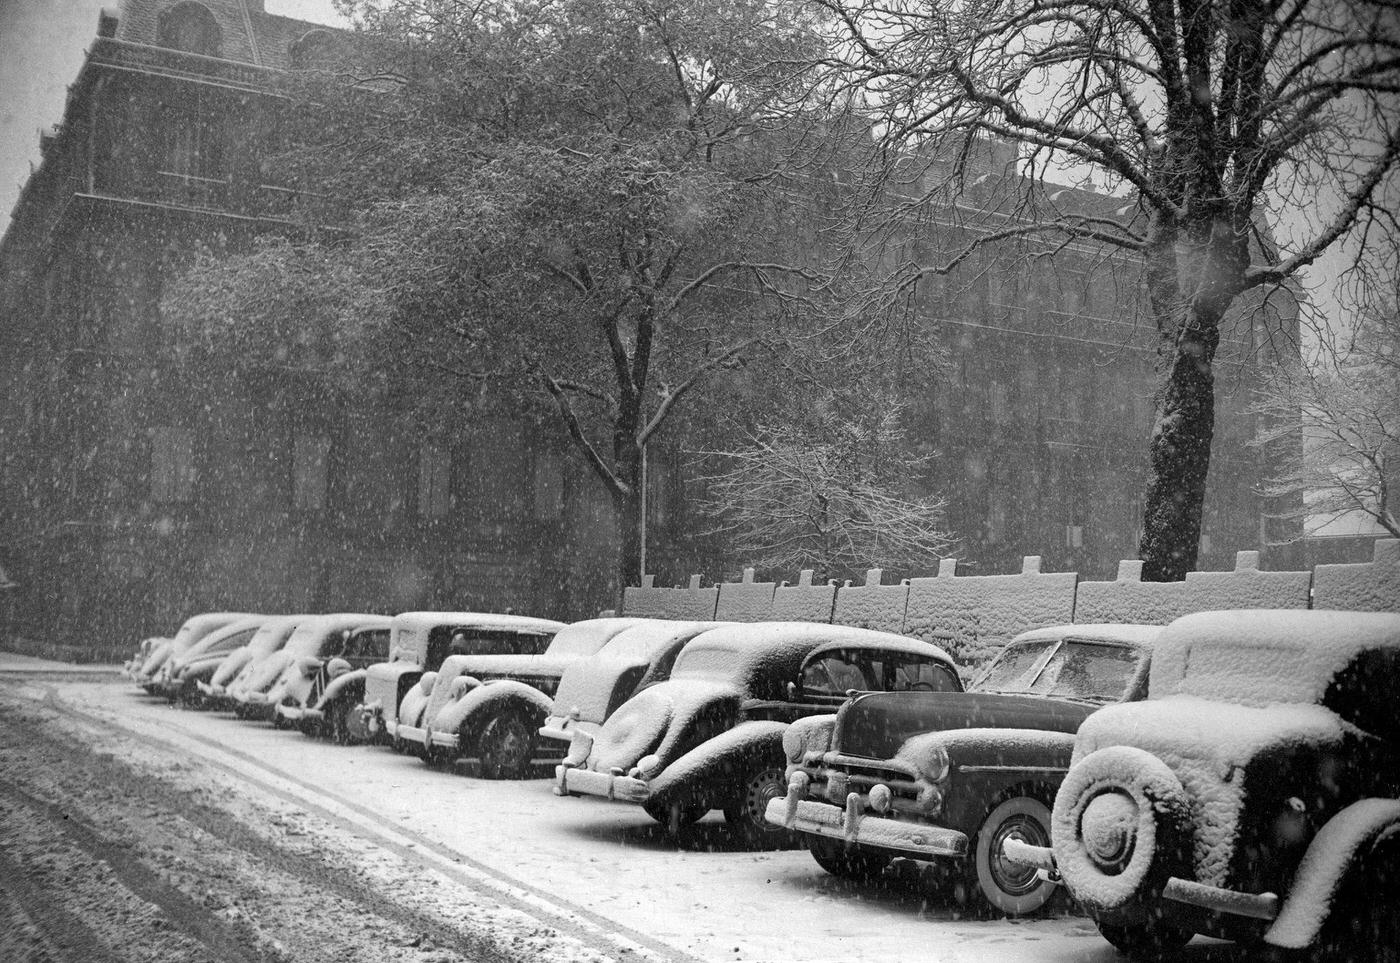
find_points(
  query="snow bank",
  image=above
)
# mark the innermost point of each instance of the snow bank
(1365, 587)
(1129, 599)
(974, 616)
(804, 602)
(872, 605)
(648, 601)
(745, 601)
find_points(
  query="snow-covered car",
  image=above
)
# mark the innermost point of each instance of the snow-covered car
(948, 775)
(1252, 796)
(305, 658)
(418, 644)
(490, 707)
(271, 635)
(142, 669)
(261, 685)
(180, 676)
(326, 708)
(592, 688)
(710, 737)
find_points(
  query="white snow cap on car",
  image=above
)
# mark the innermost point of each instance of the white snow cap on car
(1261, 657)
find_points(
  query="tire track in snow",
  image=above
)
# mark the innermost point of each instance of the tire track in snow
(592, 929)
(219, 938)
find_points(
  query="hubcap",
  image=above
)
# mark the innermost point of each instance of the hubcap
(1109, 830)
(762, 787)
(1016, 879)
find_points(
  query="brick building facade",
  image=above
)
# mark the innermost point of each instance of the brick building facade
(134, 493)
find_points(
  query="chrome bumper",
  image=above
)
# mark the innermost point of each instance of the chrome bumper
(852, 824)
(292, 713)
(447, 740)
(1259, 906)
(612, 785)
(409, 733)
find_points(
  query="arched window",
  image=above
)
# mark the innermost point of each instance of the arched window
(189, 26)
(316, 50)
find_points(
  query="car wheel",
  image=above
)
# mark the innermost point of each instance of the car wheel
(338, 720)
(506, 746)
(676, 814)
(1151, 939)
(1367, 927)
(762, 781)
(1012, 888)
(847, 862)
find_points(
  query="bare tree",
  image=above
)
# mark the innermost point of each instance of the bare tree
(1341, 413)
(1208, 119)
(831, 494)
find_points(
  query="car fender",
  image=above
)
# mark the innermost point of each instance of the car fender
(710, 769)
(490, 699)
(1347, 836)
(350, 684)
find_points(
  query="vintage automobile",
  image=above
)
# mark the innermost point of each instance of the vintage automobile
(271, 635)
(592, 688)
(142, 669)
(261, 684)
(490, 707)
(1255, 794)
(710, 737)
(418, 644)
(949, 775)
(179, 677)
(322, 705)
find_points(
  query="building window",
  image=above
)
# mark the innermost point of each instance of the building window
(193, 142)
(310, 454)
(434, 482)
(191, 27)
(316, 50)
(172, 464)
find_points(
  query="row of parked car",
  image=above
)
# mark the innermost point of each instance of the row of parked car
(1235, 774)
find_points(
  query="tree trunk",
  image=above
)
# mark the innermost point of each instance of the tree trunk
(1179, 451)
(1180, 460)
(630, 534)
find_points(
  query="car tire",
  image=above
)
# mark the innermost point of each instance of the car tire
(1365, 926)
(847, 862)
(1011, 888)
(762, 780)
(676, 815)
(338, 722)
(506, 746)
(1150, 939)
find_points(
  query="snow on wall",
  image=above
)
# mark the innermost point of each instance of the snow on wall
(648, 601)
(804, 602)
(872, 605)
(745, 601)
(974, 616)
(1129, 599)
(1372, 586)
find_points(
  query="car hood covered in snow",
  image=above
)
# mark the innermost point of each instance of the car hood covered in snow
(875, 726)
(664, 721)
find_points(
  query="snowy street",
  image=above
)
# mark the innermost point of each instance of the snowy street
(150, 832)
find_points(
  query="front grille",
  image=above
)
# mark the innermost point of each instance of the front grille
(835, 777)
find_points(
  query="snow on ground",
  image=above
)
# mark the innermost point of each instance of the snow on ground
(601, 866)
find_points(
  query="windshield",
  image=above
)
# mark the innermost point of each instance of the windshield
(1069, 669)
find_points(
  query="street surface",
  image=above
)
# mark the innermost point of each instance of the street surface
(137, 831)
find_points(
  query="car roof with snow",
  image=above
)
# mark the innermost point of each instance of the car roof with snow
(202, 624)
(313, 633)
(272, 633)
(756, 656)
(650, 636)
(418, 626)
(1263, 657)
(249, 623)
(1128, 633)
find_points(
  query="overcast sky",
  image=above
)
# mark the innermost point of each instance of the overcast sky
(41, 48)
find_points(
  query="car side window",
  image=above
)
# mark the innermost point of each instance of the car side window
(835, 674)
(921, 675)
